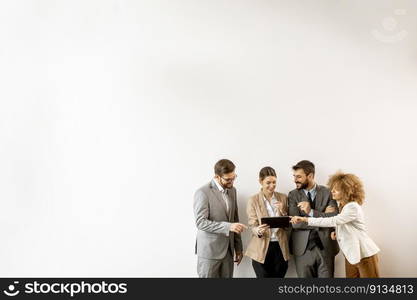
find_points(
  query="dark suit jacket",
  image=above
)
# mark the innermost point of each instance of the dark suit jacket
(300, 232)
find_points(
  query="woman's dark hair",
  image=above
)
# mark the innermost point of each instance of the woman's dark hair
(265, 172)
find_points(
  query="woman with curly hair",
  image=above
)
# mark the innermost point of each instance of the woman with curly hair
(359, 249)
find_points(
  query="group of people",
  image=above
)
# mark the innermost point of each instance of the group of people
(322, 221)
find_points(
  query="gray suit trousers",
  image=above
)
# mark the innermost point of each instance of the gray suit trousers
(314, 263)
(215, 268)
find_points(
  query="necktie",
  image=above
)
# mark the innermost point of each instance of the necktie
(226, 200)
(313, 238)
(310, 200)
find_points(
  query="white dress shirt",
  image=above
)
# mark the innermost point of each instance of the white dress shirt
(224, 196)
(272, 212)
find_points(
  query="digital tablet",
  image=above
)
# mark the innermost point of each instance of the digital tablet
(276, 222)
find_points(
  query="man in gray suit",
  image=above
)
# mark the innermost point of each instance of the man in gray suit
(217, 220)
(313, 248)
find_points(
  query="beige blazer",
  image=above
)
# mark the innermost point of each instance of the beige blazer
(258, 246)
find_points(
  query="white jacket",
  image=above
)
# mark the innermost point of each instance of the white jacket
(350, 231)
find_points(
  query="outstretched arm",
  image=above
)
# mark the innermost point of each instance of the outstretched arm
(349, 213)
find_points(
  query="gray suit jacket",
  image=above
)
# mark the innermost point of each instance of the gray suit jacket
(213, 223)
(300, 232)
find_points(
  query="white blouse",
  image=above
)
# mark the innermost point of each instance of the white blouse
(272, 212)
(350, 231)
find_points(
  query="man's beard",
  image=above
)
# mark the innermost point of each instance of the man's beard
(227, 186)
(303, 185)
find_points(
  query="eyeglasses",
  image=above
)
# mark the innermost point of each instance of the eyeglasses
(229, 179)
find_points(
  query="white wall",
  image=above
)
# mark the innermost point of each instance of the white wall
(112, 113)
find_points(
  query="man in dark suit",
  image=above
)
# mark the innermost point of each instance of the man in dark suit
(313, 248)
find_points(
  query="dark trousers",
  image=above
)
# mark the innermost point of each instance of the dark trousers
(314, 263)
(274, 266)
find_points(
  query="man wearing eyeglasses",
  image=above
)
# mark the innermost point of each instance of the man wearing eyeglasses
(217, 220)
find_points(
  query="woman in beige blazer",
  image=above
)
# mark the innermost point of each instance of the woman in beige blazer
(268, 248)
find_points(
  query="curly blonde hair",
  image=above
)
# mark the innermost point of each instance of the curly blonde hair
(349, 185)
